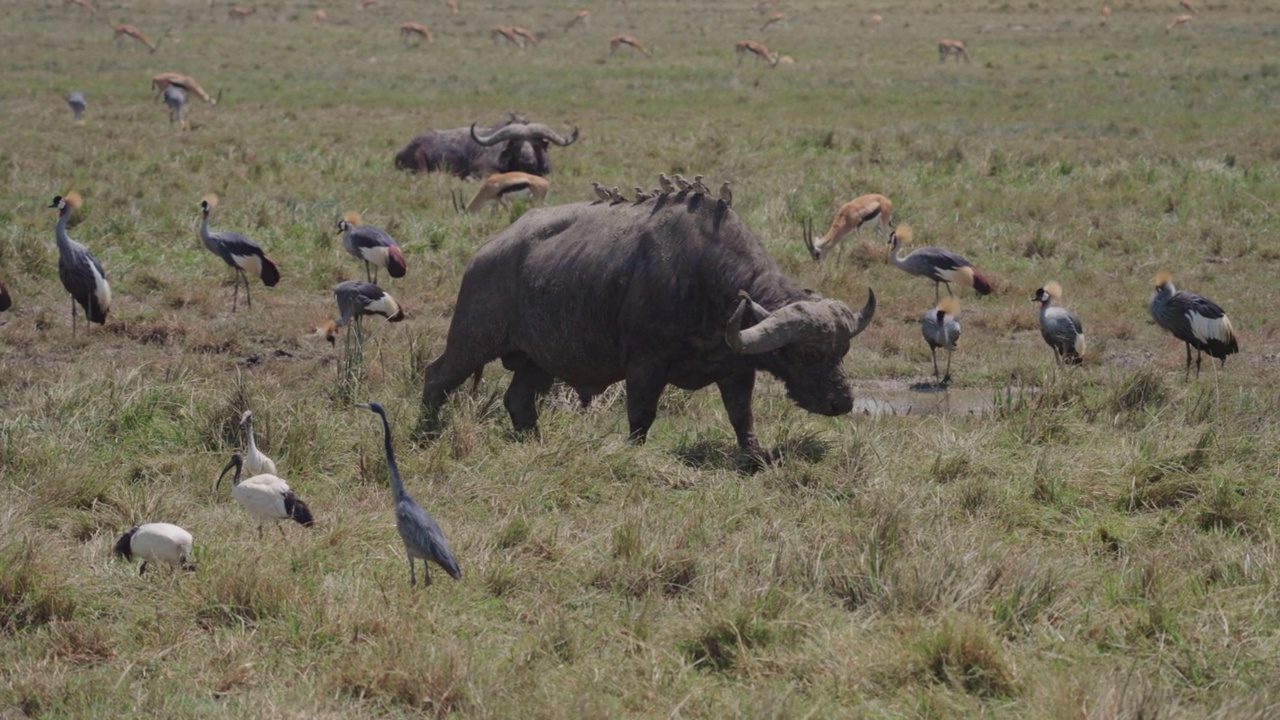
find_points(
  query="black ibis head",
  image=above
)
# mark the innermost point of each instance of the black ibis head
(237, 462)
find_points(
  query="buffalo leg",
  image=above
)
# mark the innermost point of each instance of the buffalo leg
(644, 388)
(521, 399)
(735, 392)
(443, 377)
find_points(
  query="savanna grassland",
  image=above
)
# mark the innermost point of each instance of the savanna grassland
(1098, 545)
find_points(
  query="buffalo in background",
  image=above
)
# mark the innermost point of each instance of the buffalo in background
(514, 146)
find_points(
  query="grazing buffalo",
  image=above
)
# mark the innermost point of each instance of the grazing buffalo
(669, 290)
(514, 146)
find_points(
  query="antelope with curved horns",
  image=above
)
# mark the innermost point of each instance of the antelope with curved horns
(499, 185)
(773, 20)
(1178, 21)
(1189, 7)
(81, 3)
(186, 82)
(123, 31)
(849, 218)
(874, 21)
(619, 40)
(953, 47)
(582, 17)
(757, 49)
(1106, 16)
(452, 5)
(240, 12)
(409, 29)
(529, 38)
(504, 32)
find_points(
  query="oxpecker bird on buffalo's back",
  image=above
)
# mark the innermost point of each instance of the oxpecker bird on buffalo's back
(683, 294)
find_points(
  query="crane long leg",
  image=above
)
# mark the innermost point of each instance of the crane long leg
(235, 289)
(937, 294)
(426, 573)
(946, 379)
(73, 326)
(934, 350)
(413, 577)
(1187, 374)
(245, 278)
(1199, 355)
(368, 271)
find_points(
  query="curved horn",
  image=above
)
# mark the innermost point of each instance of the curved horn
(542, 132)
(808, 241)
(506, 132)
(798, 322)
(862, 318)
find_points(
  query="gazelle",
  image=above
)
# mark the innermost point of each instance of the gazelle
(757, 49)
(186, 82)
(409, 29)
(1178, 22)
(874, 21)
(81, 3)
(452, 5)
(954, 47)
(321, 17)
(773, 20)
(1189, 7)
(853, 215)
(582, 17)
(366, 3)
(499, 185)
(1106, 16)
(618, 40)
(123, 31)
(504, 32)
(240, 12)
(522, 32)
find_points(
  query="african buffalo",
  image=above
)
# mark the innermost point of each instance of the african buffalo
(513, 146)
(662, 291)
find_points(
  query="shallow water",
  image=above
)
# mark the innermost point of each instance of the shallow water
(895, 397)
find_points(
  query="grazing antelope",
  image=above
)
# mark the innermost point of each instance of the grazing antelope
(123, 31)
(1106, 16)
(321, 17)
(240, 12)
(1189, 7)
(874, 21)
(850, 218)
(582, 17)
(499, 185)
(954, 47)
(409, 29)
(773, 19)
(504, 32)
(366, 3)
(81, 3)
(452, 5)
(618, 40)
(1178, 22)
(186, 82)
(522, 32)
(757, 49)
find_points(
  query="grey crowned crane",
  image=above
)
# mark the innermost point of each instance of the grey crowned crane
(239, 252)
(157, 542)
(941, 329)
(6, 300)
(266, 497)
(176, 98)
(1059, 327)
(81, 273)
(356, 299)
(255, 462)
(849, 218)
(78, 104)
(937, 264)
(422, 536)
(372, 245)
(1195, 320)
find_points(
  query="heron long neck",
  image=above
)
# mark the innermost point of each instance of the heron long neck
(397, 486)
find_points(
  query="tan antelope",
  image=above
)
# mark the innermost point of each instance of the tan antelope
(409, 29)
(874, 21)
(123, 31)
(953, 47)
(763, 5)
(452, 5)
(504, 32)
(619, 40)
(240, 12)
(366, 3)
(1106, 16)
(855, 213)
(758, 49)
(773, 20)
(499, 185)
(321, 17)
(186, 82)
(80, 3)
(526, 35)
(582, 17)
(1189, 7)
(1178, 21)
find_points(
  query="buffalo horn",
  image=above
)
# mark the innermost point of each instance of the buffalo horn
(797, 322)
(542, 132)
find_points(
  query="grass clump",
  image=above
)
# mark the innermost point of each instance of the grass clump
(963, 654)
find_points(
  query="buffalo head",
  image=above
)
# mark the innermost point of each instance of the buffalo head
(803, 344)
(527, 144)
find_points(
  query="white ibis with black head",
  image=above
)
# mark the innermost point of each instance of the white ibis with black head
(157, 542)
(240, 253)
(374, 246)
(937, 264)
(422, 536)
(81, 273)
(255, 461)
(1195, 320)
(266, 497)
